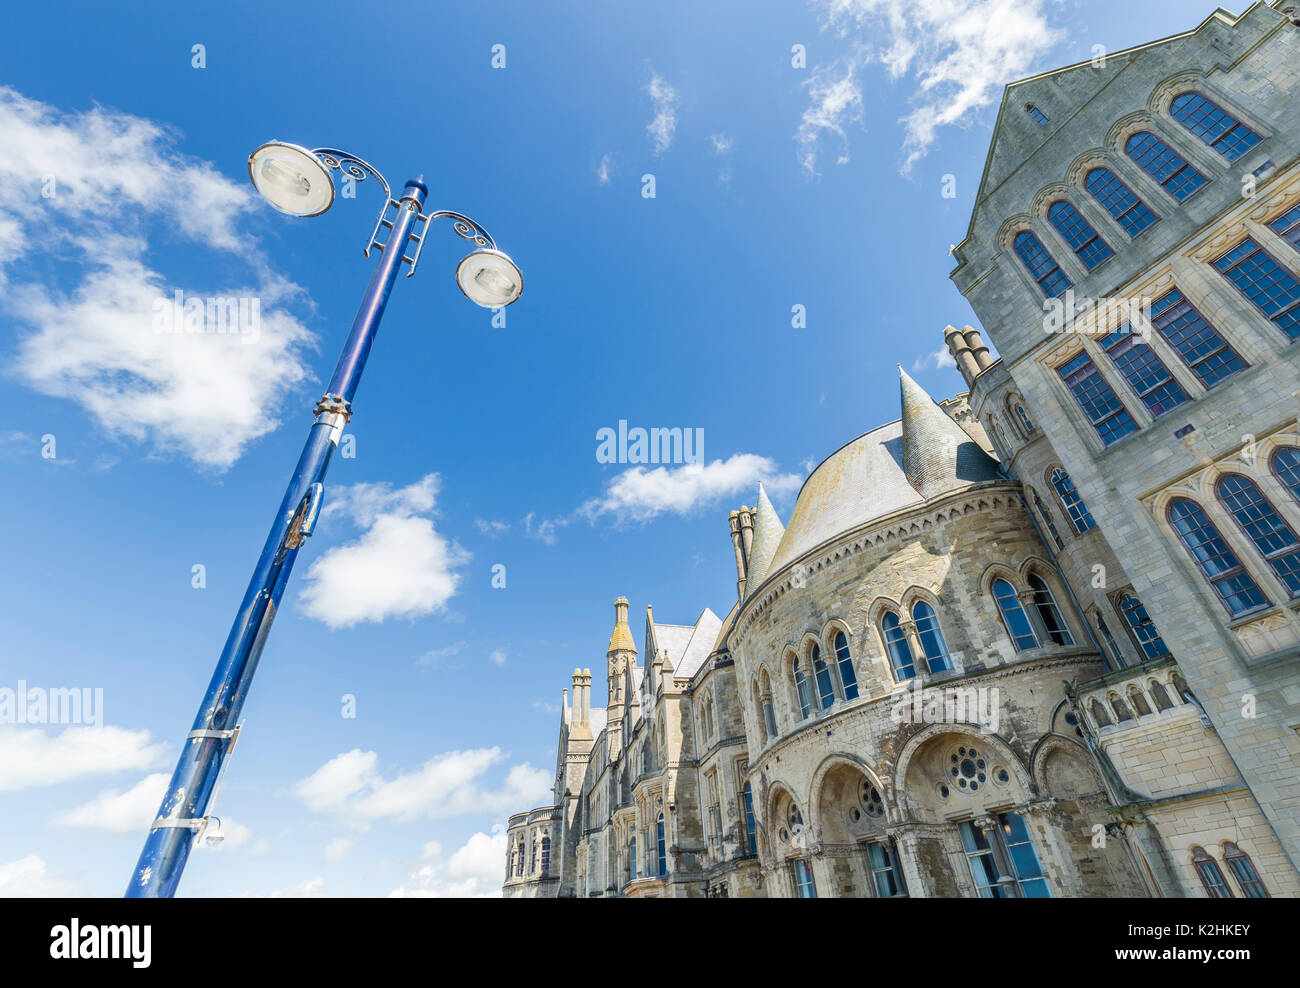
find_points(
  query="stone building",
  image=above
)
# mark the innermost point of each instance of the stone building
(1134, 255)
(1040, 639)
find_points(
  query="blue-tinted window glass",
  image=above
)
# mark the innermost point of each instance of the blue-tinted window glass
(1044, 270)
(1213, 125)
(1287, 226)
(1144, 370)
(661, 837)
(1071, 501)
(1079, 234)
(1013, 615)
(900, 652)
(1156, 158)
(750, 825)
(801, 690)
(1038, 115)
(1049, 613)
(1286, 467)
(1029, 873)
(848, 677)
(1273, 537)
(1144, 630)
(931, 636)
(1196, 341)
(1097, 398)
(1217, 563)
(825, 687)
(1271, 287)
(803, 880)
(1118, 200)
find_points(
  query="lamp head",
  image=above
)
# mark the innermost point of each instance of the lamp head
(490, 278)
(291, 178)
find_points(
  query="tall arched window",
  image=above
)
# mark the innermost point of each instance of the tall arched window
(1207, 869)
(631, 859)
(708, 716)
(1013, 616)
(1285, 463)
(1078, 513)
(844, 661)
(1049, 613)
(900, 652)
(751, 847)
(1217, 563)
(1145, 372)
(1042, 268)
(546, 855)
(1272, 536)
(1199, 344)
(1264, 283)
(769, 714)
(519, 860)
(1144, 630)
(825, 686)
(1118, 200)
(1163, 164)
(1243, 870)
(931, 636)
(532, 861)
(662, 846)
(802, 694)
(1047, 519)
(1085, 241)
(1024, 419)
(1217, 128)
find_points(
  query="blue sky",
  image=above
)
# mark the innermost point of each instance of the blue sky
(775, 186)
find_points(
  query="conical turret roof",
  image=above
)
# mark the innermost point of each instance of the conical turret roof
(768, 532)
(938, 455)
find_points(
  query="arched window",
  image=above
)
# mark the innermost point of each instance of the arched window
(751, 847)
(708, 716)
(802, 695)
(1138, 701)
(1285, 464)
(1085, 241)
(1099, 715)
(1198, 343)
(1163, 164)
(1217, 563)
(931, 636)
(1160, 695)
(1106, 413)
(1144, 630)
(844, 661)
(532, 861)
(769, 713)
(1118, 200)
(1013, 616)
(519, 860)
(900, 652)
(631, 859)
(1243, 870)
(1217, 128)
(1273, 537)
(1264, 283)
(1078, 513)
(1047, 519)
(1024, 419)
(1049, 613)
(825, 687)
(662, 846)
(1042, 268)
(1121, 709)
(1180, 688)
(1211, 877)
(1287, 226)
(546, 855)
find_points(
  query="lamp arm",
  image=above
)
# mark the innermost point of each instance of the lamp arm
(356, 169)
(464, 227)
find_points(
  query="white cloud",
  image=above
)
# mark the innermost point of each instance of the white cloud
(338, 849)
(834, 101)
(120, 812)
(544, 530)
(639, 494)
(940, 359)
(31, 756)
(312, 888)
(350, 786)
(605, 170)
(498, 657)
(438, 656)
(29, 878)
(722, 144)
(663, 98)
(492, 529)
(959, 53)
(400, 567)
(95, 344)
(474, 870)
(550, 708)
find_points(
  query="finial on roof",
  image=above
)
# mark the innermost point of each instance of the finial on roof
(621, 639)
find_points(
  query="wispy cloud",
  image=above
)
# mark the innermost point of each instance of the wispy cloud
(605, 170)
(401, 567)
(940, 359)
(640, 495)
(958, 53)
(438, 657)
(663, 99)
(32, 757)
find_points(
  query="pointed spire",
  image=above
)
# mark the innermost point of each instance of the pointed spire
(621, 639)
(768, 531)
(938, 455)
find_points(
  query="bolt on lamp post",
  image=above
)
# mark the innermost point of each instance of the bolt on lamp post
(299, 182)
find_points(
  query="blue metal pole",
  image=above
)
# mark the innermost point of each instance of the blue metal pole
(185, 803)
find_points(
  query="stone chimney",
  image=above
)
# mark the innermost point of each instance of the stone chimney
(579, 720)
(738, 545)
(967, 365)
(977, 347)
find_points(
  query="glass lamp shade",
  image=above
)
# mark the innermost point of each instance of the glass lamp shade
(291, 178)
(489, 278)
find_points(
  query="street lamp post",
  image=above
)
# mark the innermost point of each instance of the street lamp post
(299, 182)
